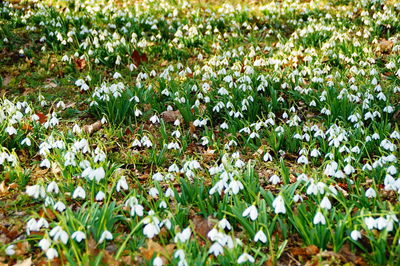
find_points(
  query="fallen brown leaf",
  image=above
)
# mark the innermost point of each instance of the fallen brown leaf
(202, 225)
(138, 58)
(307, 251)
(155, 248)
(90, 129)
(171, 116)
(80, 63)
(26, 262)
(385, 45)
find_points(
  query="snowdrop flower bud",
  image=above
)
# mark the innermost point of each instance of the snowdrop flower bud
(251, 212)
(319, 218)
(355, 235)
(260, 236)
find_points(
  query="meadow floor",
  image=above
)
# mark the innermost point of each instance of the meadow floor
(199, 132)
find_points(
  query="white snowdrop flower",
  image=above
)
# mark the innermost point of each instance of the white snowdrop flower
(76, 129)
(42, 223)
(319, 218)
(99, 174)
(166, 223)
(235, 186)
(32, 225)
(59, 206)
(137, 209)
(173, 168)
(122, 184)
(103, 120)
(26, 141)
(279, 205)
(216, 249)
(138, 112)
(245, 257)
(35, 191)
(153, 192)
(157, 261)
(391, 170)
(224, 224)
(381, 223)
(348, 169)
(260, 236)
(163, 204)
(355, 235)
(183, 236)
(158, 177)
(274, 179)
(239, 163)
(302, 177)
(79, 192)
(57, 233)
(325, 203)
(312, 189)
(267, 157)
(11, 130)
(297, 198)
(100, 196)
(224, 126)
(51, 253)
(45, 163)
(179, 254)
(169, 193)
(65, 58)
(44, 244)
(370, 222)
(106, 235)
(78, 236)
(117, 75)
(52, 188)
(10, 250)
(370, 193)
(154, 119)
(251, 212)
(151, 229)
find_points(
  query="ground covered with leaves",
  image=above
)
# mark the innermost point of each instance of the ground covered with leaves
(199, 132)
